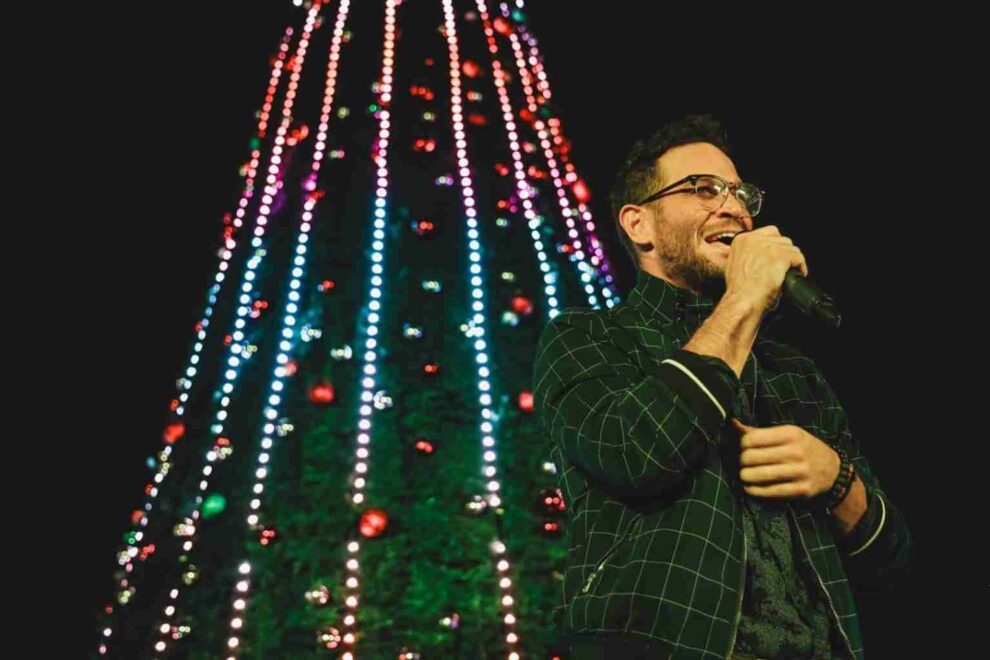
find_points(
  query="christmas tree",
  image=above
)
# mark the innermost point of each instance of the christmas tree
(351, 465)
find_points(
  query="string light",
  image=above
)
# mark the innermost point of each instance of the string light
(599, 267)
(226, 253)
(372, 307)
(289, 321)
(478, 306)
(234, 355)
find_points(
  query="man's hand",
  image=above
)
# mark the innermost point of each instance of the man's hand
(785, 462)
(758, 263)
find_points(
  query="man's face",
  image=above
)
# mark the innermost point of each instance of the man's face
(681, 232)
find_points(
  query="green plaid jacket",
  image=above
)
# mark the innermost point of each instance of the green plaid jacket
(649, 472)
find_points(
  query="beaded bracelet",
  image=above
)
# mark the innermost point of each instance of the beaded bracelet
(843, 482)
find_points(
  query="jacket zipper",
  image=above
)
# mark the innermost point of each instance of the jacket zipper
(742, 581)
(828, 597)
(601, 564)
(742, 589)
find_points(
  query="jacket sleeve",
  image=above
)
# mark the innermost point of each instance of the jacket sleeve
(635, 425)
(877, 553)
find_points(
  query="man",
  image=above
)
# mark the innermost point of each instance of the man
(720, 506)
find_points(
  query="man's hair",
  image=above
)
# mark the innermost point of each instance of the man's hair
(638, 176)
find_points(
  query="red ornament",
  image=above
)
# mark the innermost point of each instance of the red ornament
(267, 536)
(257, 307)
(477, 120)
(502, 169)
(536, 173)
(471, 69)
(552, 501)
(431, 368)
(581, 191)
(327, 286)
(297, 134)
(136, 516)
(550, 528)
(522, 305)
(424, 446)
(291, 368)
(526, 401)
(425, 145)
(424, 227)
(429, 61)
(228, 340)
(330, 637)
(373, 522)
(502, 26)
(527, 116)
(502, 204)
(223, 442)
(322, 393)
(147, 551)
(174, 431)
(173, 405)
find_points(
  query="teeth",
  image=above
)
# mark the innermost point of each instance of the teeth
(722, 235)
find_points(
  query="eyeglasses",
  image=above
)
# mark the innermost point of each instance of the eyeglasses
(712, 191)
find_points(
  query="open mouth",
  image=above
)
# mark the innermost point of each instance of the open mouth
(725, 238)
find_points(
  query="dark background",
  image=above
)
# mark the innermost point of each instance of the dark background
(832, 114)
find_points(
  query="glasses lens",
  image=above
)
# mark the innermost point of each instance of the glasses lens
(710, 191)
(750, 196)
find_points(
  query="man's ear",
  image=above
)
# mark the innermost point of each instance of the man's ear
(635, 223)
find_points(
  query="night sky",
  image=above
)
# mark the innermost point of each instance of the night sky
(819, 115)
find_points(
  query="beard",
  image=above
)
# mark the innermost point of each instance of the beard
(678, 253)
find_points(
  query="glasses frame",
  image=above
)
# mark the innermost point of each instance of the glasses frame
(693, 180)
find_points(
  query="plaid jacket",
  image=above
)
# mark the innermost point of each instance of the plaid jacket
(649, 471)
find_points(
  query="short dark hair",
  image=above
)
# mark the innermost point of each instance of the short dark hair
(638, 174)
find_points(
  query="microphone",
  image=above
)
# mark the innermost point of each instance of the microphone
(809, 299)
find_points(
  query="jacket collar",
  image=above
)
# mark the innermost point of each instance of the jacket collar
(666, 304)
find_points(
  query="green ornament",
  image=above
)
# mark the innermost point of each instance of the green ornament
(214, 505)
